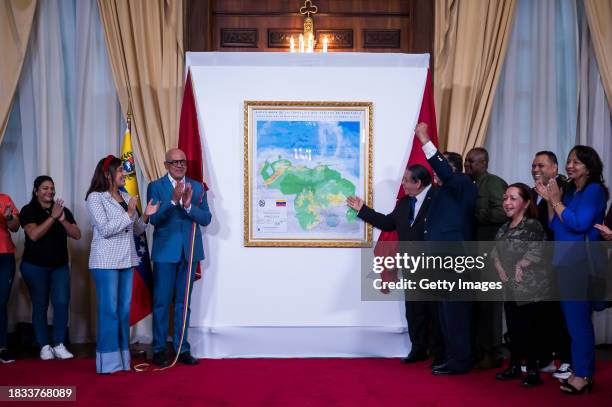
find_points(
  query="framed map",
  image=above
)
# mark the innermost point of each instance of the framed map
(301, 161)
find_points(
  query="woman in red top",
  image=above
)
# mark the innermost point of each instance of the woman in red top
(9, 222)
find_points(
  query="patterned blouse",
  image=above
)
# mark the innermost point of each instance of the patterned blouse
(525, 241)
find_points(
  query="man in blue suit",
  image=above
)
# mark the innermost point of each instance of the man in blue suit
(450, 218)
(183, 203)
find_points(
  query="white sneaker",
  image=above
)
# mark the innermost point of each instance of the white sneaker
(546, 369)
(564, 372)
(61, 352)
(5, 356)
(46, 353)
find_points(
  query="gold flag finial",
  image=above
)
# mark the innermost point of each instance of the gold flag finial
(129, 115)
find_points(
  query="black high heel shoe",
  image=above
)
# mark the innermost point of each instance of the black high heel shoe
(567, 388)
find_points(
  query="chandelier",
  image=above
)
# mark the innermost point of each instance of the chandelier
(306, 41)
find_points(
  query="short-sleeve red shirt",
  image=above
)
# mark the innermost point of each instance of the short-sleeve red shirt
(6, 243)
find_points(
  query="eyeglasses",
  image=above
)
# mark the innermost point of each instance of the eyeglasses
(177, 163)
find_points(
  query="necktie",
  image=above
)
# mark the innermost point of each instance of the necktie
(412, 201)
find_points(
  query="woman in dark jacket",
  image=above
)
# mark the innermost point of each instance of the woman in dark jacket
(521, 264)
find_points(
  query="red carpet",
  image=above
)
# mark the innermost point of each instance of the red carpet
(294, 383)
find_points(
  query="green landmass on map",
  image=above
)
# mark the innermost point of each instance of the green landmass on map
(315, 189)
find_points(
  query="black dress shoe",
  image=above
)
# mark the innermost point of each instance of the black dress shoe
(437, 363)
(446, 371)
(511, 373)
(161, 359)
(187, 359)
(532, 379)
(414, 357)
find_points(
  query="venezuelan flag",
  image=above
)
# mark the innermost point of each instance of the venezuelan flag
(142, 286)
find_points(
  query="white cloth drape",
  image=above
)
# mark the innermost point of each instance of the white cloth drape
(68, 118)
(535, 103)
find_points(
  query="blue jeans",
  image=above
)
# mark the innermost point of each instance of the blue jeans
(7, 273)
(169, 281)
(41, 282)
(114, 293)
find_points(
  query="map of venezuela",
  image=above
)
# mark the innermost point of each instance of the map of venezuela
(315, 189)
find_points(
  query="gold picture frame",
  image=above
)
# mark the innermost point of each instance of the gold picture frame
(301, 160)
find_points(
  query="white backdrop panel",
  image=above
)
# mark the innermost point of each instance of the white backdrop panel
(295, 288)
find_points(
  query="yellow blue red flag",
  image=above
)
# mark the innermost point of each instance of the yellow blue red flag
(142, 286)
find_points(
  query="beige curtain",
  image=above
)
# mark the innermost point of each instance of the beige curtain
(145, 46)
(16, 18)
(599, 18)
(471, 37)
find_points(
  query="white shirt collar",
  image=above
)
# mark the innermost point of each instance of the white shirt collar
(421, 195)
(420, 198)
(173, 181)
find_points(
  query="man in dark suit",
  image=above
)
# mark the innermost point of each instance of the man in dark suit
(408, 219)
(450, 218)
(489, 217)
(544, 168)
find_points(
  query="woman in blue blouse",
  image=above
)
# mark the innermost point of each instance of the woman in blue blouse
(573, 215)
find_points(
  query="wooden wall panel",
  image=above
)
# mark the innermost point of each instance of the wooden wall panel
(359, 25)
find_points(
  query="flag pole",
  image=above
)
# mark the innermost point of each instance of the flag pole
(135, 353)
(129, 115)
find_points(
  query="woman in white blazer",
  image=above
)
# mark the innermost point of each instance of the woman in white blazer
(113, 253)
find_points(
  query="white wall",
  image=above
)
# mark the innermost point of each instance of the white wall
(295, 301)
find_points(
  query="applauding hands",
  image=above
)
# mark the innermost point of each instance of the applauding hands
(550, 192)
(183, 192)
(178, 192)
(149, 210)
(57, 211)
(7, 212)
(187, 195)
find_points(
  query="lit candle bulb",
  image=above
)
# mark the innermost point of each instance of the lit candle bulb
(292, 44)
(325, 41)
(310, 42)
(301, 42)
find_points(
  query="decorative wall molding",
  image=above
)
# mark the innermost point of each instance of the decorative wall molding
(382, 38)
(279, 38)
(238, 38)
(339, 38)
